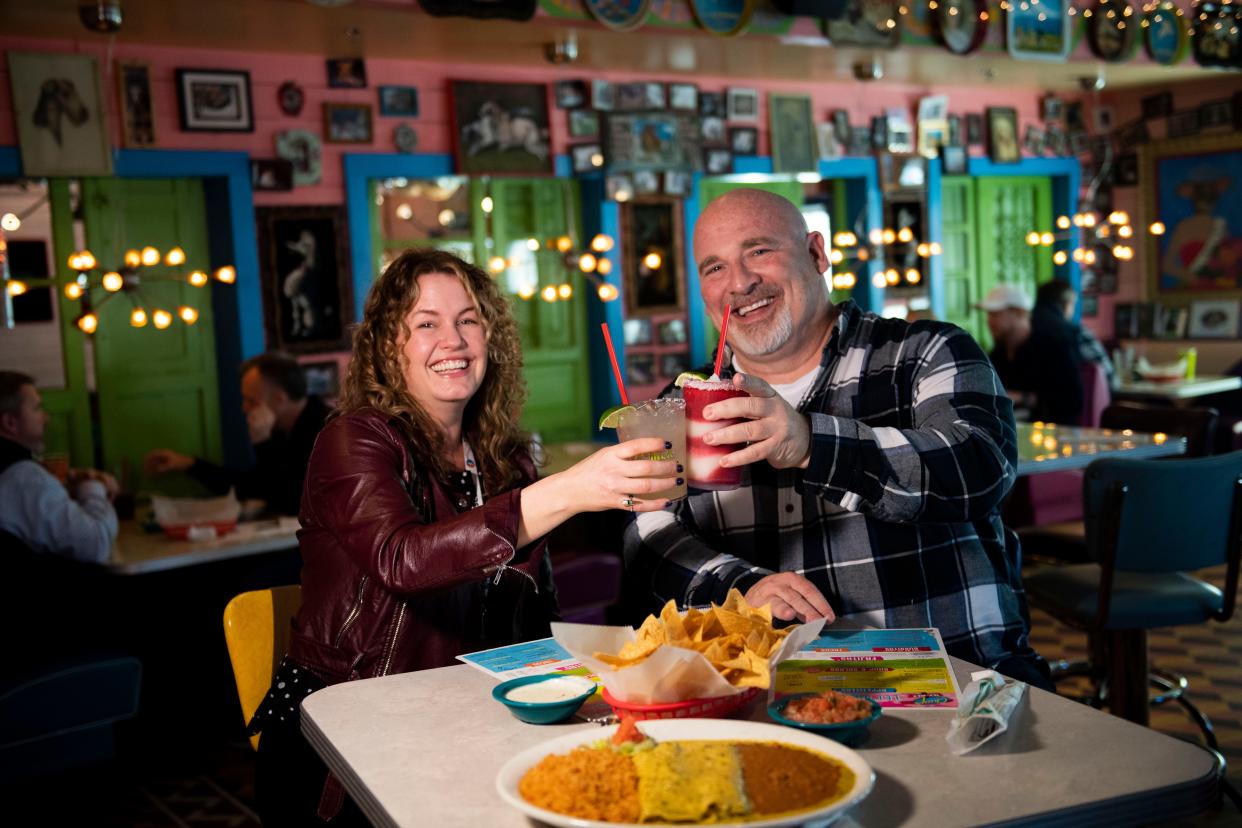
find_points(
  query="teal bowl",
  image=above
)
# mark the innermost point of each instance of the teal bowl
(847, 733)
(539, 712)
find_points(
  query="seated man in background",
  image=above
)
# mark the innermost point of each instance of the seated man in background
(877, 455)
(75, 518)
(1037, 364)
(1054, 306)
(283, 422)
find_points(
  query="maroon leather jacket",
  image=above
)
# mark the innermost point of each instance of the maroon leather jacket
(393, 576)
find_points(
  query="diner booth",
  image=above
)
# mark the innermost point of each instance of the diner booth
(184, 187)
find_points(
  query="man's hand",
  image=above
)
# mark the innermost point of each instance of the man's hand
(791, 597)
(775, 430)
(159, 461)
(78, 476)
(260, 421)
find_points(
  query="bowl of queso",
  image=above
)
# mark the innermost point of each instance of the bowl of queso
(839, 716)
(545, 699)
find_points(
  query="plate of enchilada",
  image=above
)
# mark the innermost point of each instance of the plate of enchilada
(686, 772)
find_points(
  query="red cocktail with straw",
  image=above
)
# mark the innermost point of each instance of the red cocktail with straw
(704, 470)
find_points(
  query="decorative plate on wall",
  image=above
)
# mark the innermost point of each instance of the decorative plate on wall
(1217, 37)
(291, 98)
(1112, 31)
(1165, 35)
(619, 15)
(866, 23)
(723, 17)
(961, 25)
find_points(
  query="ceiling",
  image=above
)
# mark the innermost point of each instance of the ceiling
(397, 29)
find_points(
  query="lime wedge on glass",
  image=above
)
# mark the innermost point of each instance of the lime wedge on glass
(612, 417)
(685, 376)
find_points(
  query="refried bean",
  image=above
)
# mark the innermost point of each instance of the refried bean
(781, 778)
(586, 783)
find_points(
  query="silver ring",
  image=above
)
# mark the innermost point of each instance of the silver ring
(627, 502)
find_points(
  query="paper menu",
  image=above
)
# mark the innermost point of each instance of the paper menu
(896, 668)
(533, 658)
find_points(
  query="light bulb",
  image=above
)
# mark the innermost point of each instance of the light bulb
(1032, 238)
(604, 266)
(607, 292)
(587, 262)
(848, 280)
(1088, 257)
(1088, 220)
(87, 260)
(88, 322)
(174, 257)
(138, 318)
(934, 248)
(10, 222)
(226, 274)
(1063, 222)
(496, 264)
(876, 235)
(446, 217)
(836, 256)
(653, 260)
(564, 244)
(404, 212)
(601, 243)
(150, 256)
(878, 280)
(1157, 228)
(197, 278)
(112, 281)
(597, 159)
(889, 236)
(913, 276)
(533, 245)
(16, 287)
(73, 291)
(549, 293)
(904, 235)
(161, 318)
(526, 291)
(1046, 239)
(892, 276)
(188, 314)
(132, 258)
(1059, 257)
(1125, 231)
(565, 291)
(924, 249)
(487, 204)
(840, 239)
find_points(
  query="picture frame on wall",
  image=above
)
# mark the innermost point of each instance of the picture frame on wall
(743, 105)
(305, 278)
(398, 101)
(646, 182)
(791, 133)
(712, 104)
(640, 369)
(1193, 186)
(678, 184)
(1003, 134)
(684, 96)
(586, 158)
(135, 103)
(866, 23)
(271, 175)
(673, 364)
(974, 129)
(304, 150)
(347, 123)
(571, 94)
(214, 100)
(652, 225)
(1213, 319)
(346, 73)
(744, 140)
(323, 379)
(717, 161)
(961, 26)
(583, 123)
(54, 143)
(1039, 32)
(603, 95)
(1171, 321)
(673, 332)
(637, 331)
(650, 141)
(500, 127)
(290, 98)
(953, 160)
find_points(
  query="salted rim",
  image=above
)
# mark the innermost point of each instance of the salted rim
(708, 385)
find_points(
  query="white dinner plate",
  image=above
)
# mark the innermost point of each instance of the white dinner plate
(665, 730)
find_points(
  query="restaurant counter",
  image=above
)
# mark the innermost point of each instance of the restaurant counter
(425, 748)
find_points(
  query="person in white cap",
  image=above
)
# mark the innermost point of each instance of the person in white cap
(1037, 365)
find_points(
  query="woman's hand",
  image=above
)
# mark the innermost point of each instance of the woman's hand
(612, 479)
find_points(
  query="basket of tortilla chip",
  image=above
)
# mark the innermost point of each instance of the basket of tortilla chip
(196, 518)
(708, 662)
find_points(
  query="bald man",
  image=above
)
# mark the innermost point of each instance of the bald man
(878, 455)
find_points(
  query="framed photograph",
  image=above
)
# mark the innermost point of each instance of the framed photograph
(1166, 37)
(712, 104)
(743, 105)
(290, 98)
(631, 96)
(673, 364)
(717, 161)
(866, 23)
(830, 148)
(791, 132)
(1033, 140)
(953, 160)
(1171, 322)
(1079, 142)
(678, 184)
(1003, 134)
(961, 26)
(653, 96)
(306, 281)
(1183, 123)
(974, 130)
(1214, 319)
(652, 225)
(1056, 141)
(637, 331)
(323, 379)
(59, 114)
(211, 100)
(673, 332)
(583, 123)
(744, 140)
(1039, 32)
(1112, 32)
(683, 96)
(346, 73)
(712, 132)
(398, 101)
(1089, 305)
(1216, 114)
(1193, 186)
(271, 174)
(500, 127)
(1103, 117)
(955, 131)
(347, 123)
(619, 188)
(135, 103)
(603, 96)
(879, 132)
(860, 140)
(303, 149)
(1156, 106)
(571, 94)
(841, 125)
(640, 369)
(1051, 108)
(405, 138)
(586, 158)
(650, 141)
(646, 182)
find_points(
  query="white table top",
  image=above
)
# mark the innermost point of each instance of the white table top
(137, 551)
(1181, 389)
(425, 748)
(1045, 447)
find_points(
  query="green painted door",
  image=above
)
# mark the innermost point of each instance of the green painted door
(156, 388)
(959, 259)
(554, 344)
(1007, 209)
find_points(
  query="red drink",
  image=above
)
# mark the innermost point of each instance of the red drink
(704, 470)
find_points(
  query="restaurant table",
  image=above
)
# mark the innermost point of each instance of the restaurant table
(137, 551)
(1047, 447)
(424, 748)
(1178, 390)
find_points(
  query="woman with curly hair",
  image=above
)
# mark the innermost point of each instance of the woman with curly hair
(422, 517)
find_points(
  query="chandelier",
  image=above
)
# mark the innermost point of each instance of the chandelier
(93, 287)
(848, 251)
(1113, 233)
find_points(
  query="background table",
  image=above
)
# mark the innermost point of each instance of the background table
(1180, 390)
(424, 749)
(1046, 447)
(137, 551)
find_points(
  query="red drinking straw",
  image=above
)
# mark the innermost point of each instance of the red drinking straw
(724, 329)
(616, 369)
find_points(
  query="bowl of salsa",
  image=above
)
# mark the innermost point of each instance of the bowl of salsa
(839, 716)
(544, 699)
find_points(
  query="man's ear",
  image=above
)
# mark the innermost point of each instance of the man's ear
(816, 247)
(8, 423)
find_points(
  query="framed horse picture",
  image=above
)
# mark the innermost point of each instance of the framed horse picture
(306, 282)
(501, 127)
(59, 114)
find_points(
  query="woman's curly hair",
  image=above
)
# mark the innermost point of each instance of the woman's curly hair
(376, 377)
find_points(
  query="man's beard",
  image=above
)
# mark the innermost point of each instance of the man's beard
(767, 339)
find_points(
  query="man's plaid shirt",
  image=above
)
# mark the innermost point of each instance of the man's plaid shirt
(896, 520)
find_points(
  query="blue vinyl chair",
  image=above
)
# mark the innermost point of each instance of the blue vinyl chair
(1149, 523)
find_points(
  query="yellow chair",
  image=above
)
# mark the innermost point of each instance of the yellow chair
(256, 629)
